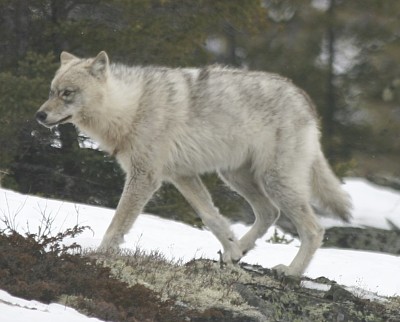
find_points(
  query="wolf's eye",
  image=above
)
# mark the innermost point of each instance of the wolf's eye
(66, 93)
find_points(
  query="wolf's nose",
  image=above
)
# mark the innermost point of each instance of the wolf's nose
(41, 116)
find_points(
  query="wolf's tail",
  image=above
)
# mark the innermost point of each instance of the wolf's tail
(326, 187)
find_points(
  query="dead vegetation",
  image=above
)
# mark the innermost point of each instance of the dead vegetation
(139, 286)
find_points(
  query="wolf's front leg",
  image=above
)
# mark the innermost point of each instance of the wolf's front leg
(138, 189)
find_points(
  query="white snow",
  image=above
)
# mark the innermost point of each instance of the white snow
(13, 309)
(358, 270)
(315, 286)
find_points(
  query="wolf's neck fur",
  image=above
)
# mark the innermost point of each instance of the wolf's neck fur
(112, 120)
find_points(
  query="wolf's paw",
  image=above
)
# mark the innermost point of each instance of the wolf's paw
(283, 270)
(110, 244)
(232, 256)
(228, 258)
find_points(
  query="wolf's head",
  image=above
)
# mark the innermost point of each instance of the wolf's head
(76, 88)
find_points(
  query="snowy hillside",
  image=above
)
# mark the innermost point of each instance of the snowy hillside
(364, 272)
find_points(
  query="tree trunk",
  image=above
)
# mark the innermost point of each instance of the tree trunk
(68, 135)
(329, 114)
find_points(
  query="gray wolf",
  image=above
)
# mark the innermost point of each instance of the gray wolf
(257, 130)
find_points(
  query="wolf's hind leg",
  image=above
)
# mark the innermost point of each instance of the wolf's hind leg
(242, 181)
(296, 206)
(197, 195)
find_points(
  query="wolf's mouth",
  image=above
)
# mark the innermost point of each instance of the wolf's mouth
(59, 121)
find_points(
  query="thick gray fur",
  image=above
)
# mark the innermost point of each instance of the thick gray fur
(257, 130)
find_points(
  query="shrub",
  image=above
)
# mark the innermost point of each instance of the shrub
(41, 267)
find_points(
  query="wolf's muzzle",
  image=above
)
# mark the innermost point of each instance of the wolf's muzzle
(41, 117)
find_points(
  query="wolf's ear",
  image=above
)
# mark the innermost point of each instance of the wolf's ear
(66, 57)
(99, 65)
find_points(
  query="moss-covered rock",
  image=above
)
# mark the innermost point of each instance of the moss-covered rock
(379, 240)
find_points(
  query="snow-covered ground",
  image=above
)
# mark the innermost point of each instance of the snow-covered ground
(13, 309)
(359, 270)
